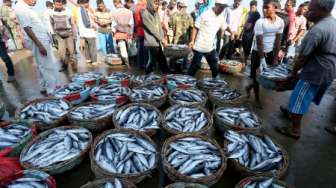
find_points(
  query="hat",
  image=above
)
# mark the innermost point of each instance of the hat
(183, 3)
(223, 2)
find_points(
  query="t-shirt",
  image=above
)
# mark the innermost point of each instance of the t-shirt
(252, 18)
(236, 15)
(84, 31)
(61, 23)
(268, 31)
(208, 25)
(300, 24)
(319, 45)
(104, 17)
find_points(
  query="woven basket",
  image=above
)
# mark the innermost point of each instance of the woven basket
(175, 176)
(227, 103)
(113, 60)
(224, 126)
(149, 132)
(207, 88)
(136, 83)
(171, 131)
(172, 52)
(185, 185)
(102, 173)
(43, 126)
(49, 180)
(155, 102)
(78, 97)
(192, 104)
(247, 180)
(276, 84)
(246, 172)
(95, 125)
(59, 167)
(101, 182)
(229, 68)
(172, 85)
(119, 100)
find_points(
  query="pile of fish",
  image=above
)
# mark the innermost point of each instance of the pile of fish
(92, 111)
(225, 94)
(138, 117)
(69, 89)
(194, 157)
(185, 119)
(178, 79)
(46, 111)
(188, 96)
(264, 183)
(119, 76)
(230, 62)
(255, 153)
(125, 154)
(58, 146)
(116, 183)
(86, 76)
(30, 179)
(13, 134)
(241, 117)
(177, 46)
(213, 83)
(279, 72)
(148, 78)
(109, 92)
(148, 92)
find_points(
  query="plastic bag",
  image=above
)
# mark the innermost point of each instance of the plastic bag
(132, 48)
(9, 165)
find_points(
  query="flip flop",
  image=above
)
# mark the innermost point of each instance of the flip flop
(331, 129)
(287, 132)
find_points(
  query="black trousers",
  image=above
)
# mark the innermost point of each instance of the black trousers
(211, 58)
(156, 56)
(5, 57)
(255, 62)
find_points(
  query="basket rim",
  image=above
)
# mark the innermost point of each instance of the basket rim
(24, 139)
(133, 100)
(173, 101)
(202, 86)
(99, 182)
(246, 180)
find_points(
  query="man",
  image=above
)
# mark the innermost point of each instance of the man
(172, 8)
(203, 38)
(268, 32)
(123, 24)
(4, 55)
(142, 56)
(315, 67)
(62, 25)
(181, 23)
(204, 5)
(248, 30)
(162, 10)
(154, 37)
(129, 4)
(46, 19)
(39, 41)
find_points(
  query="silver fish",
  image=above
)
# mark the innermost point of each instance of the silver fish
(138, 118)
(178, 79)
(30, 179)
(116, 183)
(92, 111)
(188, 96)
(185, 119)
(86, 76)
(214, 83)
(69, 89)
(58, 146)
(145, 79)
(109, 92)
(241, 117)
(264, 183)
(148, 92)
(279, 72)
(13, 134)
(225, 94)
(118, 76)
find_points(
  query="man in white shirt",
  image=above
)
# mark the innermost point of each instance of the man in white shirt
(46, 19)
(203, 38)
(37, 37)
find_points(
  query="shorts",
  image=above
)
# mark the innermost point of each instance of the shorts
(304, 94)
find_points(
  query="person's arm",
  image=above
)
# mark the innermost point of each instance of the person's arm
(277, 46)
(193, 36)
(36, 41)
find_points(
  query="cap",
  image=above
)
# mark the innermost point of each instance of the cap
(183, 3)
(223, 2)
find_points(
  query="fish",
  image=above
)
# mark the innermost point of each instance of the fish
(138, 117)
(146, 79)
(69, 89)
(225, 94)
(279, 72)
(193, 157)
(86, 76)
(214, 83)
(116, 183)
(188, 96)
(255, 153)
(241, 117)
(124, 153)
(30, 179)
(178, 79)
(185, 119)
(109, 92)
(45, 112)
(148, 92)
(13, 134)
(118, 76)
(177, 46)
(230, 62)
(92, 111)
(58, 146)
(263, 183)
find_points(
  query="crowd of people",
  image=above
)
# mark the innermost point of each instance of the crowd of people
(213, 30)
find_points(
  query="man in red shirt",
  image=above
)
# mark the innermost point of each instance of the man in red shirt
(142, 56)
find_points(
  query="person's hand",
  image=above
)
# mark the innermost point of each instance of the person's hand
(232, 36)
(263, 64)
(42, 50)
(164, 43)
(191, 45)
(4, 123)
(291, 77)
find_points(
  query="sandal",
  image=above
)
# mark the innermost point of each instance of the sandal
(287, 132)
(331, 129)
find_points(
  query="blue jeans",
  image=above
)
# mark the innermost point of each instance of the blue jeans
(5, 57)
(106, 43)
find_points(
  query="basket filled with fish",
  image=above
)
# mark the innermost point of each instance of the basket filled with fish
(112, 60)
(124, 154)
(28, 179)
(226, 97)
(154, 94)
(180, 81)
(110, 93)
(185, 119)
(188, 97)
(16, 135)
(73, 92)
(122, 78)
(193, 158)
(94, 116)
(231, 66)
(207, 84)
(177, 51)
(139, 80)
(275, 78)
(57, 150)
(44, 113)
(255, 154)
(185, 185)
(235, 118)
(261, 182)
(139, 117)
(87, 78)
(109, 183)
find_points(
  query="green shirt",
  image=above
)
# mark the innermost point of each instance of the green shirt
(181, 24)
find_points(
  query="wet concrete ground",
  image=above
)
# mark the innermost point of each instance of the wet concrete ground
(312, 158)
